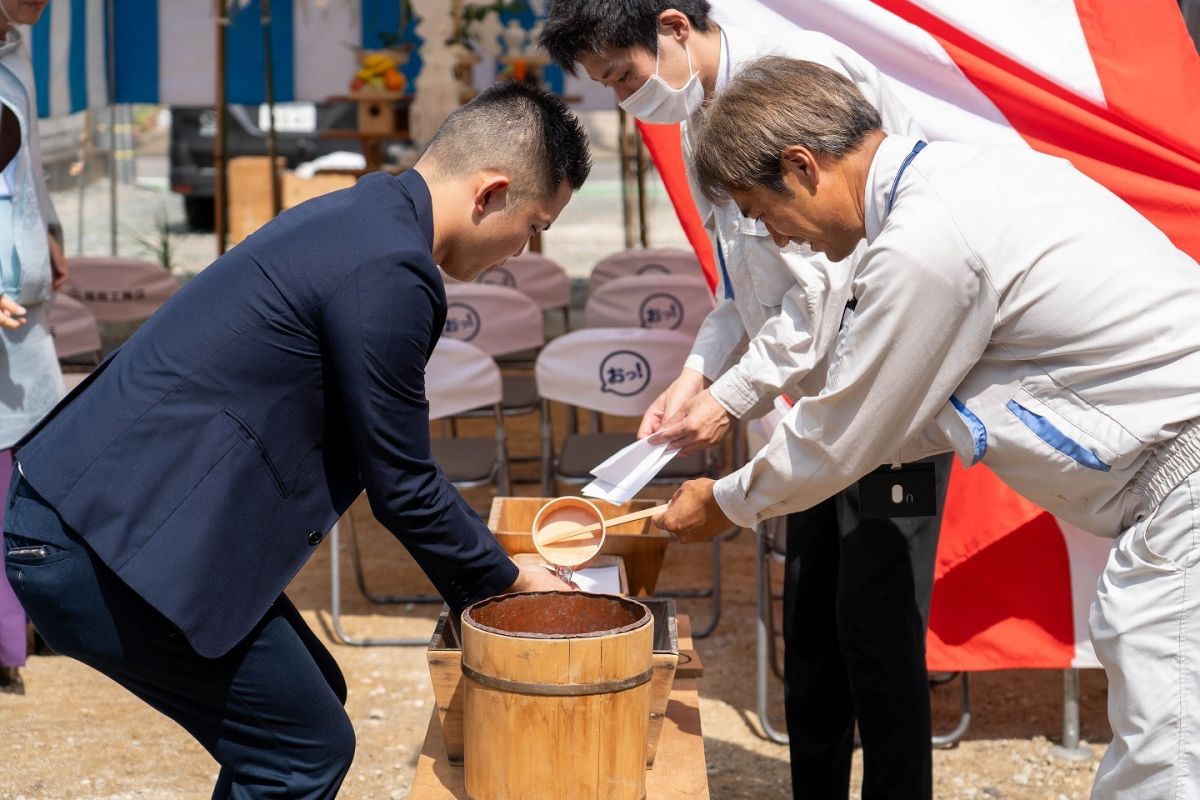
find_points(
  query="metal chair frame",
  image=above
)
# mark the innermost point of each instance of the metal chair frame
(767, 657)
(500, 476)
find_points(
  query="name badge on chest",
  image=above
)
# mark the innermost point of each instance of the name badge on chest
(909, 490)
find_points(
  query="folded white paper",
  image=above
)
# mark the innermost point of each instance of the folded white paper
(628, 471)
(600, 580)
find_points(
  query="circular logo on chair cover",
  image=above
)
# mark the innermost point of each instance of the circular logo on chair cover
(462, 322)
(498, 276)
(646, 269)
(624, 373)
(661, 310)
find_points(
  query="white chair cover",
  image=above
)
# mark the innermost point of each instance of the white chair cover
(73, 327)
(120, 289)
(615, 371)
(668, 302)
(497, 320)
(652, 261)
(534, 276)
(460, 377)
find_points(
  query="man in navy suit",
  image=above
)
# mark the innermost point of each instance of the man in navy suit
(163, 507)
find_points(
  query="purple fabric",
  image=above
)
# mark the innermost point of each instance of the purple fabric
(12, 616)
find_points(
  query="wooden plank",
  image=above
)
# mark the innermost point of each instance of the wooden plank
(690, 665)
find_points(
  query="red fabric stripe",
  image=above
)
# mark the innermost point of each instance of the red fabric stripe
(666, 150)
(1002, 589)
(1147, 64)
(1153, 166)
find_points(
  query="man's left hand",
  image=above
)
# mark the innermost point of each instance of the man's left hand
(58, 264)
(693, 514)
(700, 423)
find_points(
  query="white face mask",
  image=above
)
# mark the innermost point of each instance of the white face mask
(658, 103)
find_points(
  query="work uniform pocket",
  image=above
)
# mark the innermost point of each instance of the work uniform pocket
(1168, 538)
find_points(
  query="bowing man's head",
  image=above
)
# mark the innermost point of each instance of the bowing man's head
(791, 143)
(500, 169)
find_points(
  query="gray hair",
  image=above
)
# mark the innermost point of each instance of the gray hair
(774, 103)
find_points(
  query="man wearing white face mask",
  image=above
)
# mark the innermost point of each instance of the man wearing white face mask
(857, 590)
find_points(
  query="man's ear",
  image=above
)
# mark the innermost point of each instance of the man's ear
(674, 23)
(491, 194)
(802, 163)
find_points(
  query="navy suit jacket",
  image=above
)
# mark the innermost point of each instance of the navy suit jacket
(208, 456)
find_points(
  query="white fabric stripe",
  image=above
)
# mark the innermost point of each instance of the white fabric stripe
(946, 105)
(1086, 555)
(186, 54)
(97, 69)
(1044, 35)
(60, 55)
(325, 40)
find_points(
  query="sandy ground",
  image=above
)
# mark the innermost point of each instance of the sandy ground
(75, 734)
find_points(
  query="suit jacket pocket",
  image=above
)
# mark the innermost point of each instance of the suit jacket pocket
(251, 439)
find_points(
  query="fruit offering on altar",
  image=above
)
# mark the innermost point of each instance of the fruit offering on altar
(378, 71)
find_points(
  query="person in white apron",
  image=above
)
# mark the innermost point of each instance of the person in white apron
(1011, 310)
(31, 267)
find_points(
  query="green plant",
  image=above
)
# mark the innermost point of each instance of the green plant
(161, 242)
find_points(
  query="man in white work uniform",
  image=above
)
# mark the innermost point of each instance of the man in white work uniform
(1012, 310)
(856, 586)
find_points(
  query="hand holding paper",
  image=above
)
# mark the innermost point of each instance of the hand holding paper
(625, 473)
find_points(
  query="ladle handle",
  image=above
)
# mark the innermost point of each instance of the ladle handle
(608, 523)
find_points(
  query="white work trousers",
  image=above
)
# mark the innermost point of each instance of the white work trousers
(1145, 626)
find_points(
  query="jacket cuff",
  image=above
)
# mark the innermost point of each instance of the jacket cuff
(495, 581)
(733, 501)
(734, 394)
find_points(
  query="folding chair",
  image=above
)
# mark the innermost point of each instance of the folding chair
(76, 339)
(654, 262)
(120, 292)
(668, 302)
(508, 326)
(458, 377)
(538, 278)
(615, 371)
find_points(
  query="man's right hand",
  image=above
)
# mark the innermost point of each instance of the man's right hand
(12, 316)
(689, 384)
(536, 578)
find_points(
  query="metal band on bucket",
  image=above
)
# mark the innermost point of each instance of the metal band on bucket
(556, 690)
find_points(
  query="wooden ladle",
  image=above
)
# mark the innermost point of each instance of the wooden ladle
(587, 530)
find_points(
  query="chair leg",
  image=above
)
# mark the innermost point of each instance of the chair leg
(765, 641)
(503, 479)
(335, 605)
(948, 740)
(548, 450)
(713, 592)
(360, 577)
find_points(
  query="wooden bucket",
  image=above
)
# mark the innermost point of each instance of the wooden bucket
(557, 697)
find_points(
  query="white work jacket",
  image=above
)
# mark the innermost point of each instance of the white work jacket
(785, 348)
(1010, 309)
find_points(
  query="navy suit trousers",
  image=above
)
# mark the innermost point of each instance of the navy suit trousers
(270, 711)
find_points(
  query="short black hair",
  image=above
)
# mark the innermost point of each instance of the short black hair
(517, 128)
(580, 27)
